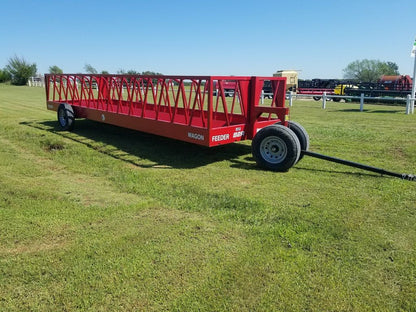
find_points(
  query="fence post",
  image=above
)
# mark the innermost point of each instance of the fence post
(324, 100)
(290, 98)
(262, 97)
(408, 104)
(362, 102)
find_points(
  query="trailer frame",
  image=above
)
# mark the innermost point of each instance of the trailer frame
(178, 107)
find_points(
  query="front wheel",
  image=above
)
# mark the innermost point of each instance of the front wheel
(276, 148)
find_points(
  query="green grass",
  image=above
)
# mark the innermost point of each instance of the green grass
(108, 219)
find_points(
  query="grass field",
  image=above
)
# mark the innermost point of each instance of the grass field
(108, 219)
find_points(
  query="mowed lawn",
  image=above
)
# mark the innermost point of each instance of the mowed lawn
(108, 219)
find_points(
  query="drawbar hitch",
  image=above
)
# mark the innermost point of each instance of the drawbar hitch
(404, 176)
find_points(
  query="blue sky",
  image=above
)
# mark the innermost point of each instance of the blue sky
(319, 38)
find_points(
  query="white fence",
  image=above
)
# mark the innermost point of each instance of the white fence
(36, 82)
(410, 102)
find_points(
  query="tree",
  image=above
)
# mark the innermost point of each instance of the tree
(132, 72)
(389, 68)
(55, 70)
(20, 70)
(151, 73)
(90, 70)
(370, 70)
(5, 75)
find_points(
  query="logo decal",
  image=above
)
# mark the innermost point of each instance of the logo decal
(196, 136)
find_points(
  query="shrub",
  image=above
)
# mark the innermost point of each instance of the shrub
(5, 75)
(20, 70)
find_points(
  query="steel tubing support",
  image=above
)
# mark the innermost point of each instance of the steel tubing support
(404, 176)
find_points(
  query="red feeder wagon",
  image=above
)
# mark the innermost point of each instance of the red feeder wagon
(195, 109)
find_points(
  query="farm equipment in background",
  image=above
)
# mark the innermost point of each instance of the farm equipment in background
(230, 86)
(317, 87)
(398, 86)
(395, 86)
(387, 86)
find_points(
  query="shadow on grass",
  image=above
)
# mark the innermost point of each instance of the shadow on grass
(389, 111)
(393, 109)
(146, 150)
(339, 172)
(151, 151)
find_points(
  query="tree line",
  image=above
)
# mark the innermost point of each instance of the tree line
(91, 70)
(18, 70)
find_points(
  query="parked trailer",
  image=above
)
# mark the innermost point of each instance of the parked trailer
(317, 87)
(185, 108)
(396, 86)
(315, 93)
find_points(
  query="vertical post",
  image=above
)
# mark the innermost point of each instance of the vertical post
(324, 100)
(210, 101)
(362, 102)
(262, 97)
(413, 54)
(290, 98)
(412, 107)
(408, 104)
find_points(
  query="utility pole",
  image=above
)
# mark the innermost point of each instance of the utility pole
(413, 54)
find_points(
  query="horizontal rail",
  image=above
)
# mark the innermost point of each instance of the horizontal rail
(410, 102)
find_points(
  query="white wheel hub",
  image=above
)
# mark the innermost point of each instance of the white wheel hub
(273, 149)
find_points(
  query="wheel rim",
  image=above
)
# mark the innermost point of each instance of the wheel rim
(62, 117)
(273, 149)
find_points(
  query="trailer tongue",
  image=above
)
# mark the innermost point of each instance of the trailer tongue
(403, 176)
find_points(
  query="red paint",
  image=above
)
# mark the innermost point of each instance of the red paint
(205, 110)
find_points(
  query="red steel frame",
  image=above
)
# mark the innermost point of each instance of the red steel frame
(186, 108)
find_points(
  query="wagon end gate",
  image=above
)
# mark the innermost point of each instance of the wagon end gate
(263, 114)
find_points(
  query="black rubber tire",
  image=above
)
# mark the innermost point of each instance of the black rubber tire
(276, 148)
(66, 117)
(316, 98)
(302, 135)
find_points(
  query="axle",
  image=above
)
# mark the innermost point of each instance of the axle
(403, 176)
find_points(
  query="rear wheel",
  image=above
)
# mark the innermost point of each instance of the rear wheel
(66, 117)
(301, 134)
(276, 148)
